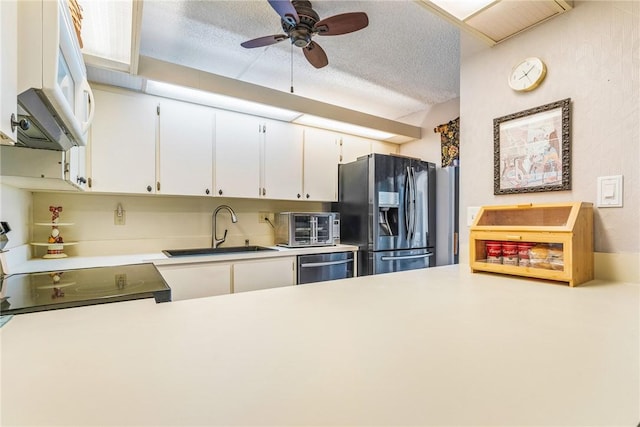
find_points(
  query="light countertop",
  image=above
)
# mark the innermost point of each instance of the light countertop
(439, 346)
(159, 258)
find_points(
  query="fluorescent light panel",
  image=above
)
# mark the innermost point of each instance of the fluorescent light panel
(321, 122)
(196, 96)
(201, 97)
(106, 29)
(461, 9)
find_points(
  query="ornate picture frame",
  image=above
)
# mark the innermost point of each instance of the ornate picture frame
(532, 150)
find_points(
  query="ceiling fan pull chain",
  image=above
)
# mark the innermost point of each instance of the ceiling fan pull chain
(291, 67)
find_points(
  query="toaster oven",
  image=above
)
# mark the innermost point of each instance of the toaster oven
(299, 229)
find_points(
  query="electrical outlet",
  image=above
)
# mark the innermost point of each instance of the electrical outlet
(119, 217)
(263, 215)
(121, 281)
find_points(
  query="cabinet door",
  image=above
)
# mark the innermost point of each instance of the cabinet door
(352, 147)
(123, 143)
(189, 281)
(8, 69)
(237, 155)
(76, 158)
(320, 165)
(265, 274)
(282, 161)
(186, 148)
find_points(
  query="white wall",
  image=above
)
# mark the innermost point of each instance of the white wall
(592, 57)
(428, 148)
(15, 209)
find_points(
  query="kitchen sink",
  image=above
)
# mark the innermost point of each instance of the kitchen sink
(215, 251)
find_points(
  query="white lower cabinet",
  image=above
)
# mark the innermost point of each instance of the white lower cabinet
(208, 279)
(264, 274)
(189, 281)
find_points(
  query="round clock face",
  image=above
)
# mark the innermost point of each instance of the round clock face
(527, 75)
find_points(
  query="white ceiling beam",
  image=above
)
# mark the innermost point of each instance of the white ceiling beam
(154, 69)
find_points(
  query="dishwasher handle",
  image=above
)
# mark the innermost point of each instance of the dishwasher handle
(392, 258)
(324, 264)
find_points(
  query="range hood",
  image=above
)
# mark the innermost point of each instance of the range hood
(44, 128)
(497, 20)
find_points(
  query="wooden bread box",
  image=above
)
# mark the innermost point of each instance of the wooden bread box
(552, 241)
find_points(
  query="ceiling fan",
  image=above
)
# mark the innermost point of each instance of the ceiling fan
(300, 23)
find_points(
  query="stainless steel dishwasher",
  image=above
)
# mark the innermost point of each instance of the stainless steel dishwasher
(321, 267)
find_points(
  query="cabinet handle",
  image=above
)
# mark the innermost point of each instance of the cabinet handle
(158, 186)
(308, 195)
(264, 191)
(220, 192)
(89, 182)
(81, 180)
(299, 195)
(206, 191)
(149, 188)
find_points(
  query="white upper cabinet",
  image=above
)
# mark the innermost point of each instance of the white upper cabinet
(123, 143)
(352, 147)
(237, 155)
(281, 175)
(8, 70)
(321, 155)
(185, 154)
(77, 166)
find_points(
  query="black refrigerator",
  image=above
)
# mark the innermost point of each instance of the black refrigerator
(387, 209)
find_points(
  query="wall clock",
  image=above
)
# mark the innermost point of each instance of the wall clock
(527, 75)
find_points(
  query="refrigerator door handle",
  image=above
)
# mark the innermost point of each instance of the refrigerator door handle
(324, 264)
(407, 204)
(393, 258)
(412, 188)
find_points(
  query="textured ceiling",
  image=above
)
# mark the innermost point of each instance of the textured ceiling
(405, 60)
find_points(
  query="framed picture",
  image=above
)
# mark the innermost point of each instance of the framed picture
(532, 150)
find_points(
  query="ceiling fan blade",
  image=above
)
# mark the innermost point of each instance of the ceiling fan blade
(264, 41)
(315, 55)
(286, 10)
(342, 24)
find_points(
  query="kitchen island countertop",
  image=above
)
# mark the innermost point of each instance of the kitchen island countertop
(439, 346)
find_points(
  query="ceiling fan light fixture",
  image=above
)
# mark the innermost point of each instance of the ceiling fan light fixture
(300, 38)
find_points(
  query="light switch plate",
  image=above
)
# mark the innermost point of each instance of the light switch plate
(610, 191)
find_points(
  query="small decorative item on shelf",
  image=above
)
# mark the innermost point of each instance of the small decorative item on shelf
(55, 243)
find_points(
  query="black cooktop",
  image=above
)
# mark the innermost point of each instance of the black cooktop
(51, 290)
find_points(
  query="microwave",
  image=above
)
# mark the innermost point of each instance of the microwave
(299, 229)
(54, 95)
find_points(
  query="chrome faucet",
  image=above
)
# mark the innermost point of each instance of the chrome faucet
(214, 238)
